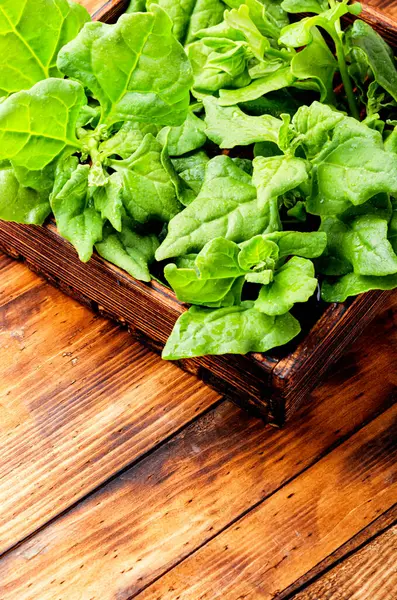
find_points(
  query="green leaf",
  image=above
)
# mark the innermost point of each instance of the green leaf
(189, 16)
(128, 249)
(134, 68)
(191, 288)
(351, 169)
(229, 126)
(353, 284)
(232, 330)
(259, 87)
(258, 252)
(191, 170)
(31, 35)
(218, 63)
(218, 259)
(127, 139)
(109, 200)
(225, 207)
(21, 204)
(302, 6)
(296, 243)
(77, 219)
(183, 139)
(316, 62)
(301, 33)
(360, 246)
(239, 19)
(148, 190)
(294, 282)
(38, 125)
(314, 125)
(273, 177)
(363, 40)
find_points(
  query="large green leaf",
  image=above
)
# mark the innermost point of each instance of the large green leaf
(352, 284)
(228, 126)
(360, 245)
(31, 35)
(147, 184)
(352, 168)
(77, 219)
(367, 45)
(232, 330)
(38, 125)
(19, 203)
(189, 16)
(128, 249)
(135, 68)
(293, 282)
(281, 78)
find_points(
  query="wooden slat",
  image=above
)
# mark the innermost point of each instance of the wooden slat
(80, 400)
(147, 520)
(381, 524)
(297, 527)
(370, 574)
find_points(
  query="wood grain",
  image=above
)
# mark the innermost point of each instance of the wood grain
(297, 527)
(370, 574)
(80, 401)
(147, 520)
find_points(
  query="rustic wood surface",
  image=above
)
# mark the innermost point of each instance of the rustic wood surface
(122, 476)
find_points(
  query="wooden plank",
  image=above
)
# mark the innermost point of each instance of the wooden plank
(297, 527)
(370, 574)
(80, 401)
(155, 514)
(375, 528)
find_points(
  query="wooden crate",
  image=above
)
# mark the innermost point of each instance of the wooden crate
(272, 386)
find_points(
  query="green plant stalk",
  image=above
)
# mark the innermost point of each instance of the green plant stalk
(340, 55)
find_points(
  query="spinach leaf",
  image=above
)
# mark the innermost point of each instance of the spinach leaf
(38, 125)
(186, 137)
(189, 16)
(313, 126)
(296, 243)
(191, 170)
(367, 46)
(77, 219)
(31, 35)
(219, 259)
(135, 68)
(259, 87)
(352, 284)
(351, 169)
(316, 62)
(21, 204)
(310, 6)
(126, 140)
(293, 282)
(231, 330)
(360, 246)
(148, 190)
(225, 207)
(190, 287)
(128, 249)
(228, 126)
(218, 63)
(228, 205)
(273, 177)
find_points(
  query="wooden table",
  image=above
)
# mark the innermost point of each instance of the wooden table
(122, 477)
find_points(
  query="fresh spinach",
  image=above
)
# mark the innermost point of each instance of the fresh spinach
(207, 135)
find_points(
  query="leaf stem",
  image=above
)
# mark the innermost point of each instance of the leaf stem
(340, 55)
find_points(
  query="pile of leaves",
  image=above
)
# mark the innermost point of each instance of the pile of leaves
(229, 147)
